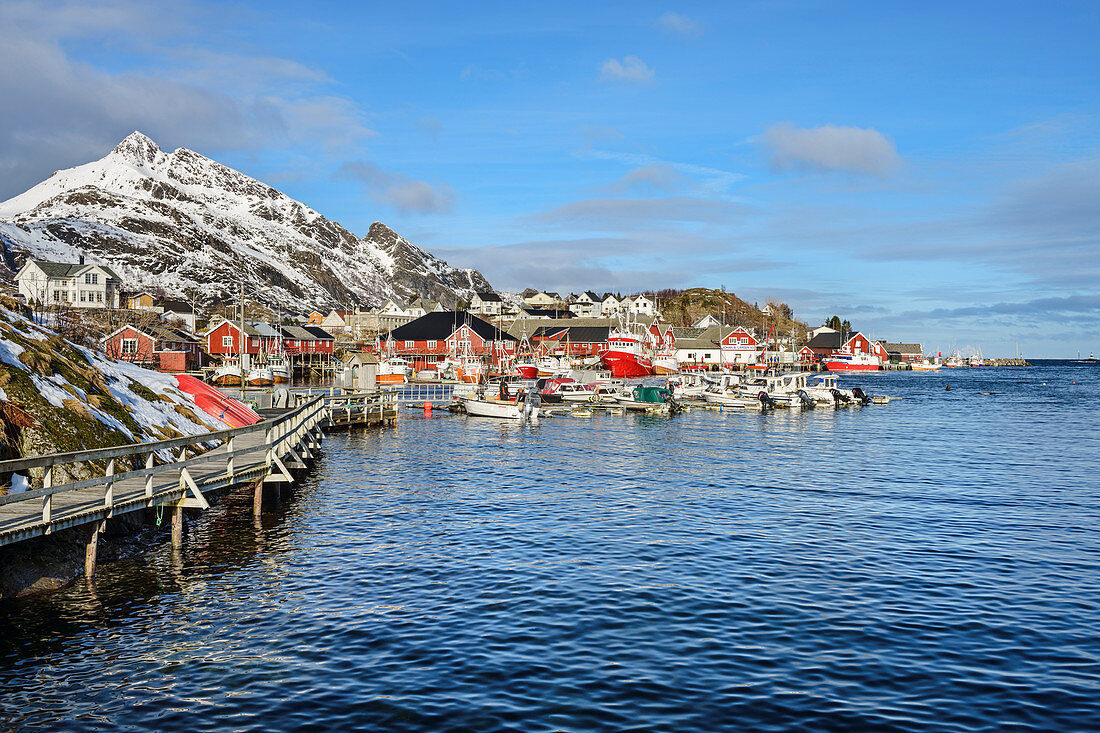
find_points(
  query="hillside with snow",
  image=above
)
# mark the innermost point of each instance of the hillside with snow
(57, 396)
(181, 221)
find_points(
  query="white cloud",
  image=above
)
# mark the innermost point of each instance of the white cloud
(401, 192)
(60, 112)
(832, 148)
(661, 177)
(631, 69)
(680, 25)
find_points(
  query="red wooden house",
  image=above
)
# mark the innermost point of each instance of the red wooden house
(825, 344)
(570, 340)
(155, 347)
(223, 338)
(434, 336)
(739, 347)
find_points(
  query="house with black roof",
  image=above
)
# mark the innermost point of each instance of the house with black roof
(486, 304)
(571, 340)
(434, 336)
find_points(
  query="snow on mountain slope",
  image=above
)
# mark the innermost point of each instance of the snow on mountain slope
(181, 220)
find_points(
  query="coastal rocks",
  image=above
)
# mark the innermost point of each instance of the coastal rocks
(58, 397)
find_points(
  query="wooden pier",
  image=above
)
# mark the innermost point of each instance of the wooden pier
(178, 474)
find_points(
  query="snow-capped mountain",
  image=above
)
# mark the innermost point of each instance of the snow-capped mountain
(182, 221)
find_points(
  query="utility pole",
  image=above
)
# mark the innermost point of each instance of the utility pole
(244, 375)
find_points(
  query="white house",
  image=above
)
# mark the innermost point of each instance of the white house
(640, 305)
(178, 311)
(707, 321)
(543, 300)
(62, 283)
(609, 306)
(487, 304)
(586, 305)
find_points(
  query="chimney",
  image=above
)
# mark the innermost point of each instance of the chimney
(82, 258)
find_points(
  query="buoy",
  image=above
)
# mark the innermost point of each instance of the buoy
(427, 408)
(949, 388)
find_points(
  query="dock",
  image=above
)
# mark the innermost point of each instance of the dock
(181, 473)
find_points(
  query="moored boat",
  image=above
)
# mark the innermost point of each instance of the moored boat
(228, 374)
(624, 355)
(260, 375)
(847, 361)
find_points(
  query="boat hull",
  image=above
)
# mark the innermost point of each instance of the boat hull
(624, 365)
(493, 408)
(844, 366)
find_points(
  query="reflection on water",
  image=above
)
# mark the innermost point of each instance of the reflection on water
(932, 563)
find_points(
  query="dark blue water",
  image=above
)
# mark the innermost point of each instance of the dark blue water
(933, 563)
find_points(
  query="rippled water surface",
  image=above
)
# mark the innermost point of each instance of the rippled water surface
(933, 563)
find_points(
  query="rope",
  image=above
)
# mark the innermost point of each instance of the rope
(160, 514)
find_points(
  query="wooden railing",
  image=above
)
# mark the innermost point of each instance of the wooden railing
(289, 437)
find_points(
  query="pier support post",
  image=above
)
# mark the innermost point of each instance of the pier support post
(258, 498)
(92, 547)
(177, 527)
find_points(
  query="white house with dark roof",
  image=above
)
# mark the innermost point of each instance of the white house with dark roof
(640, 305)
(75, 285)
(486, 304)
(609, 306)
(586, 305)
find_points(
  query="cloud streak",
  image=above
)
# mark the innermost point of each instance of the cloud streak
(679, 25)
(631, 69)
(832, 148)
(400, 192)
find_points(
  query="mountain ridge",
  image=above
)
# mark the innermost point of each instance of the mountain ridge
(181, 221)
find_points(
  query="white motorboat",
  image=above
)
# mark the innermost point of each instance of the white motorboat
(484, 407)
(823, 388)
(687, 385)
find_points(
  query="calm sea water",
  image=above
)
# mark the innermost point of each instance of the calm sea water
(929, 564)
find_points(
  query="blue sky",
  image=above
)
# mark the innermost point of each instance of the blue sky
(929, 171)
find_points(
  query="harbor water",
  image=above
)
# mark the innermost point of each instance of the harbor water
(933, 563)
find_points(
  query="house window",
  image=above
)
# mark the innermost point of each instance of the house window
(129, 346)
(82, 296)
(253, 342)
(99, 297)
(227, 342)
(433, 344)
(57, 296)
(408, 344)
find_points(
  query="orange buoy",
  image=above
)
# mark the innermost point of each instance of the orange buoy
(427, 408)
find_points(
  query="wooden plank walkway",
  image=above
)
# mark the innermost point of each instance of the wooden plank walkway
(269, 451)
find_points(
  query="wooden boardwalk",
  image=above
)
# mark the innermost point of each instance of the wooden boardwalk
(177, 474)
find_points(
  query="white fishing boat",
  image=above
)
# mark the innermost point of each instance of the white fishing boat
(228, 374)
(394, 370)
(280, 369)
(664, 363)
(926, 365)
(260, 375)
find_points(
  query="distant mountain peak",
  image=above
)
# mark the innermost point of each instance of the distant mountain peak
(137, 148)
(183, 222)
